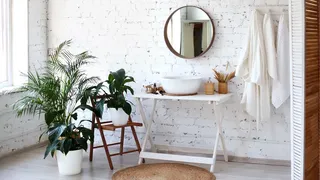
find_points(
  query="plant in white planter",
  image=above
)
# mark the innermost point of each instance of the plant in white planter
(119, 108)
(112, 92)
(58, 93)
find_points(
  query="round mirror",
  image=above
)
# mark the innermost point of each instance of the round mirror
(189, 32)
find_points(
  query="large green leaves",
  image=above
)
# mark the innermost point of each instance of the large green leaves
(117, 82)
(68, 138)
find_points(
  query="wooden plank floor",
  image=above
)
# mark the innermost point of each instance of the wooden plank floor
(30, 165)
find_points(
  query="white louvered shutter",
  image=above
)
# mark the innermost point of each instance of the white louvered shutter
(297, 54)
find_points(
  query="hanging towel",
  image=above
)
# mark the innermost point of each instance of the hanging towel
(252, 68)
(281, 87)
(271, 59)
(270, 45)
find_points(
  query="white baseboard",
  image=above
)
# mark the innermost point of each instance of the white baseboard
(208, 153)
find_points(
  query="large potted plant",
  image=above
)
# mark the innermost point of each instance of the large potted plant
(119, 108)
(58, 93)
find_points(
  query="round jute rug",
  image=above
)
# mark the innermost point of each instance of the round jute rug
(163, 171)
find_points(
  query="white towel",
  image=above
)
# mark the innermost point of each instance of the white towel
(253, 69)
(271, 66)
(270, 45)
(281, 87)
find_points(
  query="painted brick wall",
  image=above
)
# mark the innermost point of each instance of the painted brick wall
(129, 34)
(17, 133)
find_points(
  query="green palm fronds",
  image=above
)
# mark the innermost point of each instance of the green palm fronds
(59, 87)
(58, 93)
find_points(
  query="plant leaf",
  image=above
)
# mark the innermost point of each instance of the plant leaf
(51, 148)
(130, 89)
(56, 132)
(42, 135)
(127, 108)
(82, 143)
(67, 146)
(100, 106)
(84, 106)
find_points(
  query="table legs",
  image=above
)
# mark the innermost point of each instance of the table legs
(148, 127)
(219, 118)
(210, 161)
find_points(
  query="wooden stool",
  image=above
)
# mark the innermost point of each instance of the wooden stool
(108, 126)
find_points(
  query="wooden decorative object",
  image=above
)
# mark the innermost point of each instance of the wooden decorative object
(154, 89)
(209, 88)
(223, 88)
(223, 79)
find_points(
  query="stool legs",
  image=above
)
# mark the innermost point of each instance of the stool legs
(122, 140)
(91, 144)
(105, 145)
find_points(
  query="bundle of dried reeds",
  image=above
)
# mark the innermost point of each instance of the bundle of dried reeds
(223, 78)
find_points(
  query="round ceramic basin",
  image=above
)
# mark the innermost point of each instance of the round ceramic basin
(181, 85)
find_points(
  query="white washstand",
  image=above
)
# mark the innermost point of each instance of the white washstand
(215, 100)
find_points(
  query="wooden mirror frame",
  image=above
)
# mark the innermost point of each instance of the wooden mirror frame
(169, 44)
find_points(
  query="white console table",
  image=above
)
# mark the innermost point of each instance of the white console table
(214, 100)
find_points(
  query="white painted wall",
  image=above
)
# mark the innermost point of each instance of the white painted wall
(17, 133)
(129, 34)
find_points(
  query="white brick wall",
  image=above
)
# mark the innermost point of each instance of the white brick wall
(129, 34)
(17, 133)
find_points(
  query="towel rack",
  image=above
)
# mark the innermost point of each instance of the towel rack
(274, 10)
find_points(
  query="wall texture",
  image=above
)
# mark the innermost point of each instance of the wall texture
(17, 133)
(129, 34)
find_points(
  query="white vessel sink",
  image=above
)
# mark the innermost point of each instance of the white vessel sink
(181, 85)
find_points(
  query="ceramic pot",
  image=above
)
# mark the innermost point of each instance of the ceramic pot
(223, 88)
(118, 117)
(70, 164)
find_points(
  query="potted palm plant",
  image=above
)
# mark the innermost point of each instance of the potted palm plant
(58, 93)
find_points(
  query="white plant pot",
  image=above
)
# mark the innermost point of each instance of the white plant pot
(70, 164)
(118, 117)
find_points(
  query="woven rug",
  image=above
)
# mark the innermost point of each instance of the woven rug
(163, 171)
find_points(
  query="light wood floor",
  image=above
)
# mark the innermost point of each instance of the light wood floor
(30, 165)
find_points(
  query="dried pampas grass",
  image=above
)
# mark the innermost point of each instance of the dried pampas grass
(223, 78)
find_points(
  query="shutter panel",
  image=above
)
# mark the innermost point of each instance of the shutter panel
(297, 29)
(311, 142)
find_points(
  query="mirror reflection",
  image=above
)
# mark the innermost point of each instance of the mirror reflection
(189, 32)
